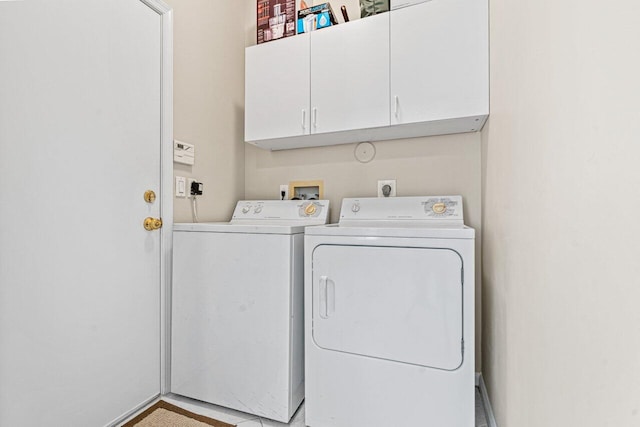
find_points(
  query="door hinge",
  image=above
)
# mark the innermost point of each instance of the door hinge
(462, 275)
(462, 347)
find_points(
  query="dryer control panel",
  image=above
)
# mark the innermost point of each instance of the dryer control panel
(313, 211)
(441, 209)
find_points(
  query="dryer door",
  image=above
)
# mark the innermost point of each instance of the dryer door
(395, 303)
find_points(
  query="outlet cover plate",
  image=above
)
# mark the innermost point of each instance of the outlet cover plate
(391, 183)
(285, 188)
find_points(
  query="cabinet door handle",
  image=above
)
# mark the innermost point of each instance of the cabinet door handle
(396, 106)
(304, 119)
(315, 117)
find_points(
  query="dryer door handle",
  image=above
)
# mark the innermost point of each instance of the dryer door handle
(327, 297)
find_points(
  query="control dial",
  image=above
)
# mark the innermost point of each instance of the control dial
(245, 209)
(439, 208)
(310, 209)
(355, 208)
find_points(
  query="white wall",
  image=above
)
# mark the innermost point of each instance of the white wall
(209, 102)
(560, 217)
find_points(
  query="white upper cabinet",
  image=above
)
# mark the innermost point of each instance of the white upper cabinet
(397, 4)
(439, 61)
(421, 69)
(350, 76)
(277, 89)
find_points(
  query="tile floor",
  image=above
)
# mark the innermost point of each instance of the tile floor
(242, 419)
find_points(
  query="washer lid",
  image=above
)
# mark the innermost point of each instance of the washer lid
(228, 227)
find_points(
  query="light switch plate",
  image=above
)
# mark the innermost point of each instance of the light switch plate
(181, 186)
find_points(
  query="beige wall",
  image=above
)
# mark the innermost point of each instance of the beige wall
(209, 102)
(560, 218)
(437, 165)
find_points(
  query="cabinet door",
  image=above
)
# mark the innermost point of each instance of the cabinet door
(350, 75)
(277, 89)
(439, 61)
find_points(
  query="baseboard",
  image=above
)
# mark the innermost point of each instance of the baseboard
(131, 413)
(491, 419)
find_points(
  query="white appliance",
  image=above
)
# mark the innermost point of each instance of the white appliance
(389, 315)
(237, 315)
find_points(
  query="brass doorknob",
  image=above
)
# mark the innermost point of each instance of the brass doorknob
(151, 224)
(149, 196)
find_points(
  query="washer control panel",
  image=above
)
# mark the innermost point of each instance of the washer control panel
(428, 208)
(286, 210)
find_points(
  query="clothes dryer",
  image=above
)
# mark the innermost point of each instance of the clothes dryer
(389, 315)
(237, 314)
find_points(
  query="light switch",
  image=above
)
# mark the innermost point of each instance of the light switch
(181, 186)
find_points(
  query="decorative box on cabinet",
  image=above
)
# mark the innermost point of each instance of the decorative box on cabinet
(416, 71)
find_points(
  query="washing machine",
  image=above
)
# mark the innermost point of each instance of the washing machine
(237, 307)
(389, 315)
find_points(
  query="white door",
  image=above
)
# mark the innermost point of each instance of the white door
(439, 61)
(350, 75)
(392, 303)
(277, 89)
(80, 132)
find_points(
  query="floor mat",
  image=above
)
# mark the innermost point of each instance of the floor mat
(163, 414)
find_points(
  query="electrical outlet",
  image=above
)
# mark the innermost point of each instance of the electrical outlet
(193, 189)
(382, 187)
(284, 188)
